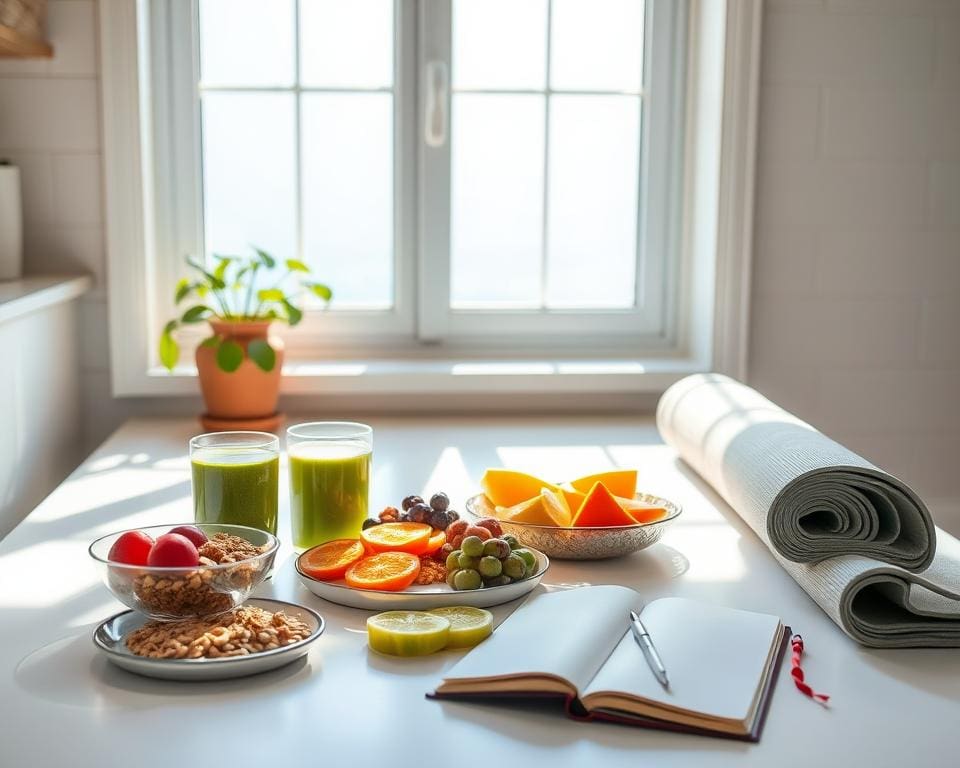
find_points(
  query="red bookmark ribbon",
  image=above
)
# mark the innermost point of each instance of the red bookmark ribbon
(796, 671)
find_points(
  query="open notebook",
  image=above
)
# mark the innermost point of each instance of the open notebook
(577, 644)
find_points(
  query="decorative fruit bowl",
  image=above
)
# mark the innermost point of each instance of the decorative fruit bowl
(585, 542)
(226, 563)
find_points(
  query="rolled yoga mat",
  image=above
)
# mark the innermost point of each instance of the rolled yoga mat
(857, 539)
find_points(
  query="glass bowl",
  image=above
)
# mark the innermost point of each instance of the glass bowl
(588, 543)
(170, 594)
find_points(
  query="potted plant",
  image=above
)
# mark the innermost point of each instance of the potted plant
(239, 364)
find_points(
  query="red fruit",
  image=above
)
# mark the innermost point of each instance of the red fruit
(456, 528)
(457, 541)
(132, 548)
(198, 537)
(173, 551)
(492, 525)
(476, 530)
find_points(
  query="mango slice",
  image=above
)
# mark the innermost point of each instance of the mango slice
(600, 508)
(620, 482)
(642, 513)
(505, 487)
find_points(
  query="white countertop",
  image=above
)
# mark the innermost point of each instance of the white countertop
(343, 705)
(28, 294)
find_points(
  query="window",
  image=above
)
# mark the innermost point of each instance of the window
(473, 173)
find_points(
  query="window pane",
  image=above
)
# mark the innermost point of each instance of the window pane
(246, 42)
(592, 208)
(496, 200)
(248, 173)
(346, 44)
(499, 44)
(597, 44)
(347, 160)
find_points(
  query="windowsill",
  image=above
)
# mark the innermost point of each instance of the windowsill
(30, 294)
(427, 377)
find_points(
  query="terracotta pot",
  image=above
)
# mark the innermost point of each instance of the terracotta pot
(248, 392)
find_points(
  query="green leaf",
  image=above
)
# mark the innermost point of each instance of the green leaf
(211, 341)
(270, 294)
(195, 314)
(169, 349)
(320, 290)
(170, 327)
(266, 258)
(294, 315)
(221, 271)
(183, 289)
(297, 266)
(215, 282)
(202, 290)
(262, 354)
(229, 356)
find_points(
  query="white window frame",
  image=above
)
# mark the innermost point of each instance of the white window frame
(708, 330)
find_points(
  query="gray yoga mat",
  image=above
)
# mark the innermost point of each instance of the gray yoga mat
(857, 539)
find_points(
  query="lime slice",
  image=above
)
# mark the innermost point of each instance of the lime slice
(407, 633)
(468, 626)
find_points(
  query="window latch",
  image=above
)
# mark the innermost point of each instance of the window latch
(435, 119)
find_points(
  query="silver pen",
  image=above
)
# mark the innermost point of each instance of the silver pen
(642, 637)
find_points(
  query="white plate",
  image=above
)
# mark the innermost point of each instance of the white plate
(423, 597)
(109, 640)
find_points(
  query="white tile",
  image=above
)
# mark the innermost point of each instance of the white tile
(49, 114)
(784, 259)
(888, 196)
(36, 183)
(891, 7)
(869, 262)
(788, 196)
(65, 249)
(843, 332)
(936, 472)
(940, 332)
(865, 122)
(948, 51)
(94, 334)
(940, 271)
(945, 195)
(788, 122)
(790, 47)
(77, 189)
(71, 29)
(794, 388)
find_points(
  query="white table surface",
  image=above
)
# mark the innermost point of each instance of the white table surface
(62, 704)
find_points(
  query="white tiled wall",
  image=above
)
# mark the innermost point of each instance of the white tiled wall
(856, 316)
(856, 297)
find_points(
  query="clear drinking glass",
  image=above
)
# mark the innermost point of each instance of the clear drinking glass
(236, 478)
(329, 480)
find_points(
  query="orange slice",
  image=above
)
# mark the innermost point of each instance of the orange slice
(331, 560)
(600, 508)
(529, 511)
(620, 482)
(556, 506)
(437, 540)
(398, 537)
(390, 571)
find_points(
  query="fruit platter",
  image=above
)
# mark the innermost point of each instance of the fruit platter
(590, 518)
(421, 557)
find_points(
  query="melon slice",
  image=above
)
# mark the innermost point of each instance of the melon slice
(642, 513)
(530, 511)
(506, 487)
(600, 508)
(620, 482)
(556, 506)
(574, 498)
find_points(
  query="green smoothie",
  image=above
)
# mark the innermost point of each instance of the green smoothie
(329, 485)
(238, 487)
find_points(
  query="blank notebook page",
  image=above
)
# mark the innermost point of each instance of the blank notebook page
(714, 657)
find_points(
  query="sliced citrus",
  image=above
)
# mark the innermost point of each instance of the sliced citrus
(437, 540)
(505, 487)
(390, 571)
(555, 505)
(620, 482)
(468, 625)
(573, 497)
(407, 633)
(398, 537)
(642, 513)
(600, 508)
(330, 561)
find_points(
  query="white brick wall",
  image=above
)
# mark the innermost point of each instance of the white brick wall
(856, 295)
(856, 316)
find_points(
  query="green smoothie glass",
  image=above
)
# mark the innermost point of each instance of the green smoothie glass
(329, 480)
(236, 478)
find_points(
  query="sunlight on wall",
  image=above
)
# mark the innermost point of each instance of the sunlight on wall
(557, 463)
(450, 475)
